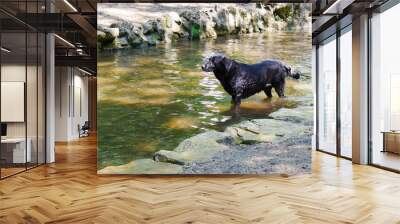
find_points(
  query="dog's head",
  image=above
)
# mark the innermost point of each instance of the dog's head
(296, 74)
(292, 73)
(217, 62)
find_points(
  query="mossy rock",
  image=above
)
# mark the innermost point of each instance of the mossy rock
(105, 40)
(283, 13)
(195, 31)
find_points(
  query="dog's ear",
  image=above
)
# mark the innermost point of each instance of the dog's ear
(218, 59)
(288, 69)
(228, 63)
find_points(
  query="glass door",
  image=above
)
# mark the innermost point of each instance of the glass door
(22, 90)
(327, 95)
(385, 89)
(14, 153)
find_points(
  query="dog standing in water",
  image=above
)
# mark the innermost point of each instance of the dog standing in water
(244, 80)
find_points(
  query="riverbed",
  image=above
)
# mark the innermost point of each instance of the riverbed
(153, 98)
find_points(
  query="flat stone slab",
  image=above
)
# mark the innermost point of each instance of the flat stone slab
(303, 114)
(143, 166)
(263, 158)
(265, 130)
(303, 100)
(200, 147)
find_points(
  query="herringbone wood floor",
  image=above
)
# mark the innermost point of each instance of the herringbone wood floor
(69, 191)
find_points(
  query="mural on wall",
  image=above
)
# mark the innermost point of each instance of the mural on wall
(193, 88)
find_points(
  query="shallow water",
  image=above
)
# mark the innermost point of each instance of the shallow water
(153, 98)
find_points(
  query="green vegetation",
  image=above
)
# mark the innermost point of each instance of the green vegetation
(195, 31)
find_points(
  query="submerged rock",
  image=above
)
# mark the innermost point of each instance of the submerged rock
(143, 166)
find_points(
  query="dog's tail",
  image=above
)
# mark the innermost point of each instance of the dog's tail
(292, 73)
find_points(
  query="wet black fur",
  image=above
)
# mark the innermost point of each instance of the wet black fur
(244, 80)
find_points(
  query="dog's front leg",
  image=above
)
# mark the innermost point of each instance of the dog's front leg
(236, 103)
(280, 90)
(268, 91)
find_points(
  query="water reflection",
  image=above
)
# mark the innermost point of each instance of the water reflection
(153, 98)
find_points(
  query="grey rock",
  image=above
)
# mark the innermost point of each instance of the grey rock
(301, 114)
(197, 148)
(143, 166)
(289, 158)
(307, 101)
(265, 130)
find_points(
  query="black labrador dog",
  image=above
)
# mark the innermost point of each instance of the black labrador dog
(244, 80)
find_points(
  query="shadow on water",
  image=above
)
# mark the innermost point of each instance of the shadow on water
(154, 98)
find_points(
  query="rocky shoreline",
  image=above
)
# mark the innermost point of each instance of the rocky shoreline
(202, 22)
(279, 144)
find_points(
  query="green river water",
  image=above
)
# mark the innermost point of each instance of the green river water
(153, 98)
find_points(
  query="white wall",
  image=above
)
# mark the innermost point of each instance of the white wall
(12, 73)
(71, 102)
(33, 126)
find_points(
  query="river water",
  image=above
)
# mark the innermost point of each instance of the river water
(153, 98)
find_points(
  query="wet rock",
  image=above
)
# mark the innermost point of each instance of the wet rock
(172, 27)
(113, 31)
(133, 33)
(265, 130)
(197, 148)
(122, 42)
(143, 166)
(199, 23)
(302, 114)
(105, 40)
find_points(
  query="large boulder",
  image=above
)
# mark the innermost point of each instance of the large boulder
(172, 25)
(199, 23)
(225, 21)
(143, 166)
(105, 40)
(131, 33)
(198, 148)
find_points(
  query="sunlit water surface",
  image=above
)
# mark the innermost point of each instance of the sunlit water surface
(153, 98)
